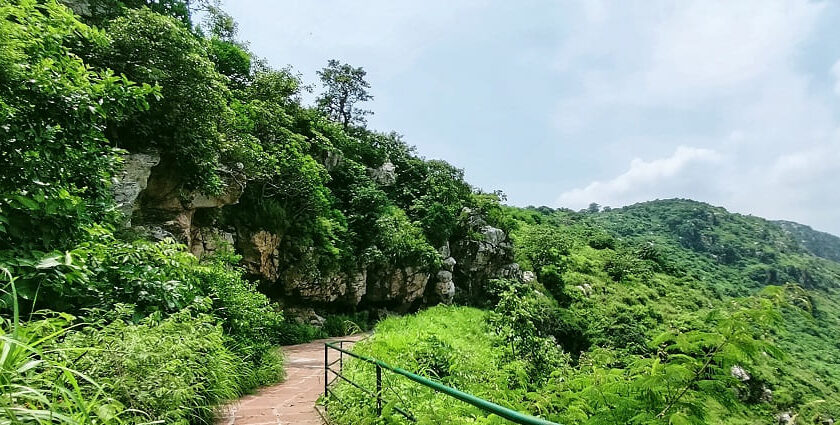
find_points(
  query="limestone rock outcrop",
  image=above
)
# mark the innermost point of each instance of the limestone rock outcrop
(401, 286)
(152, 194)
(164, 209)
(385, 175)
(207, 240)
(260, 254)
(340, 288)
(132, 180)
(487, 256)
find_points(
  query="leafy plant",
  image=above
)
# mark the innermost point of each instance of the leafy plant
(174, 369)
(36, 387)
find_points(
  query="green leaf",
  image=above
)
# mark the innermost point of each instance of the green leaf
(27, 203)
(679, 418)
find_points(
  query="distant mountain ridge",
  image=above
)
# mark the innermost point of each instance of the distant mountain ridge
(821, 244)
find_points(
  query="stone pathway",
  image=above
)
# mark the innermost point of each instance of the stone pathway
(293, 400)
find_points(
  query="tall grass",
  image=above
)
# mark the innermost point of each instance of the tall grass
(452, 345)
(35, 387)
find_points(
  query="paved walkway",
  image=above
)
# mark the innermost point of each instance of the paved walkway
(293, 400)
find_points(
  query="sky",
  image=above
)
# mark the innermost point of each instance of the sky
(564, 103)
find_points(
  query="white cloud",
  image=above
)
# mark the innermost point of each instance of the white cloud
(733, 73)
(673, 176)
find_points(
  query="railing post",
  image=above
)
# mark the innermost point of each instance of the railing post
(326, 372)
(341, 357)
(378, 390)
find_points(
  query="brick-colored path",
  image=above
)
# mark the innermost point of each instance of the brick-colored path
(293, 400)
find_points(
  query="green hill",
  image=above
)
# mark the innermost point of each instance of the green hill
(821, 244)
(665, 311)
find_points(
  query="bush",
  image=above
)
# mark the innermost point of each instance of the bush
(39, 387)
(298, 333)
(252, 322)
(174, 369)
(154, 276)
(343, 324)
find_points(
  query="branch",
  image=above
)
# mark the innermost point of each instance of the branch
(695, 378)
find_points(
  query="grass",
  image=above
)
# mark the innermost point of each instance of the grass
(450, 344)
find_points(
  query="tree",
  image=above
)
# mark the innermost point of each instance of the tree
(98, 12)
(187, 123)
(345, 87)
(543, 245)
(54, 108)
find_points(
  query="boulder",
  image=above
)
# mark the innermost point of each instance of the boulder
(132, 180)
(766, 395)
(739, 373)
(444, 290)
(448, 264)
(585, 289)
(785, 418)
(260, 254)
(385, 175)
(445, 251)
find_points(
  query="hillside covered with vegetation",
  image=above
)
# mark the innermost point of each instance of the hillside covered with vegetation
(668, 311)
(171, 211)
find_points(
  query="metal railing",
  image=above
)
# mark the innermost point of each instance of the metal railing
(484, 405)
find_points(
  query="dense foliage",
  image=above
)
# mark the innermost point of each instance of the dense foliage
(663, 312)
(120, 327)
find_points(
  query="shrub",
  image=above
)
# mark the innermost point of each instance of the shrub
(55, 158)
(38, 387)
(254, 324)
(154, 276)
(297, 333)
(343, 324)
(174, 369)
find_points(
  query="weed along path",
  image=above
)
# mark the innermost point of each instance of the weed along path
(291, 401)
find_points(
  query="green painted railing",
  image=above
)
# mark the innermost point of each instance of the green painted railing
(487, 406)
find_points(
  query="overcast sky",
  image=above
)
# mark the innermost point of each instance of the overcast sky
(563, 103)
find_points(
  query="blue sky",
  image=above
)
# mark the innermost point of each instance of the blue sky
(561, 103)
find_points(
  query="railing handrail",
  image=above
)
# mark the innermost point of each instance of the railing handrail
(487, 406)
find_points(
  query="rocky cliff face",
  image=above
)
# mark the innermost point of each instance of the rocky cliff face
(132, 180)
(162, 208)
(152, 197)
(488, 255)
